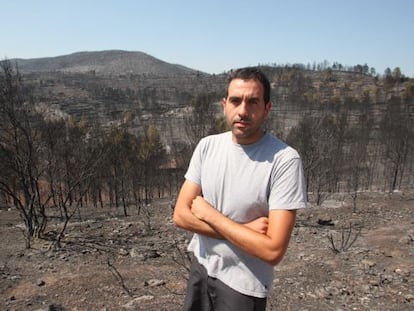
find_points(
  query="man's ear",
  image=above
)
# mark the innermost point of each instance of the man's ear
(268, 106)
(223, 103)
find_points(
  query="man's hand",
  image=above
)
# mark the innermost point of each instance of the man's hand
(259, 225)
(184, 217)
(204, 211)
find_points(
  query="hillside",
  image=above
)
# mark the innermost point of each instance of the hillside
(113, 62)
(112, 87)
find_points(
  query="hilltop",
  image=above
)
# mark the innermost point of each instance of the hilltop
(112, 62)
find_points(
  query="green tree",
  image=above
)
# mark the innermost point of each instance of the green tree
(396, 74)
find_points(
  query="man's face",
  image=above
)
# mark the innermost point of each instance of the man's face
(245, 110)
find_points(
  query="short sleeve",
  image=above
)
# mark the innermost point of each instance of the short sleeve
(194, 168)
(288, 188)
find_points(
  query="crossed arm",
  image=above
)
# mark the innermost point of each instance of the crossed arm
(265, 238)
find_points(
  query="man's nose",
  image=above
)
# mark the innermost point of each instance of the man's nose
(242, 111)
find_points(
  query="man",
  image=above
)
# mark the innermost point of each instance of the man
(240, 197)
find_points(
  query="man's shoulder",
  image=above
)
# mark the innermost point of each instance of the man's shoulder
(280, 147)
(216, 138)
(212, 144)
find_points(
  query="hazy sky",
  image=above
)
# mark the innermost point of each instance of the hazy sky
(216, 35)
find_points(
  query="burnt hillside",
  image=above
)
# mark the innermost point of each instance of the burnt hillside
(112, 86)
(353, 129)
(112, 62)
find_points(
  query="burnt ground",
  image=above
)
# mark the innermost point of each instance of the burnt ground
(111, 262)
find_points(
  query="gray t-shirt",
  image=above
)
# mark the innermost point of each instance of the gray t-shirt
(243, 182)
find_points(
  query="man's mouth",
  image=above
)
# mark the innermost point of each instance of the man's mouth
(241, 123)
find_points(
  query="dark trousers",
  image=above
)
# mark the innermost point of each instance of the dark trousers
(205, 293)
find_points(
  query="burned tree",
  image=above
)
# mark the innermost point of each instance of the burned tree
(21, 152)
(42, 163)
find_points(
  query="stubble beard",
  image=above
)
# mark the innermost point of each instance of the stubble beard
(246, 133)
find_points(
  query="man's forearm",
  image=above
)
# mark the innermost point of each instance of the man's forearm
(186, 220)
(269, 246)
(241, 236)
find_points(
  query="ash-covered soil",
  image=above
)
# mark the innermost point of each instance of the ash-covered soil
(337, 260)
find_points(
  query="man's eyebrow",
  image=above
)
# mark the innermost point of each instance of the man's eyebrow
(253, 98)
(248, 97)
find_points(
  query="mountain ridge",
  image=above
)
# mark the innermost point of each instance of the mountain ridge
(108, 62)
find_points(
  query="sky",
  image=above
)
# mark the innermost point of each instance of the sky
(216, 35)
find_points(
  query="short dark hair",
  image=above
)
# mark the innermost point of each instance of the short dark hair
(252, 73)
